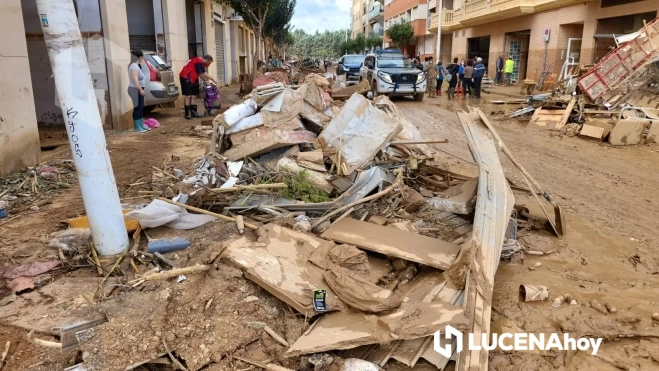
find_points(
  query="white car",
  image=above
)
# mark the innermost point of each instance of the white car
(392, 74)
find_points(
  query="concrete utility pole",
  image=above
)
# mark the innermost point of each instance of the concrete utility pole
(83, 125)
(439, 30)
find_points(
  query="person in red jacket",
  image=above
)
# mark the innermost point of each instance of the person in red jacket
(193, 70)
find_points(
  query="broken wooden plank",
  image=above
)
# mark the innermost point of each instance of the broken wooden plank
(395, 243)
(493, 209)
(566, 114)
(47, 308)
(346, 330)
(279, 263)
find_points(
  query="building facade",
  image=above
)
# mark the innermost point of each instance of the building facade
(549, 35)
(174, 29)
(367, 18)
(416, 13)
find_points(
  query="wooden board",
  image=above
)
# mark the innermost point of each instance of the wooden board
(279, 263)
(52, 306)
(566, 114)
(493, 207)
(347, 329)
(394, 243)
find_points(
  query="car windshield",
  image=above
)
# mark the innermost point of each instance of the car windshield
(393, 62)
(353, 59)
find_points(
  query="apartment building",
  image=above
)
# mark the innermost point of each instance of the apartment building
(414, 12)
(174, 29)
(367, 17)
(537, 34)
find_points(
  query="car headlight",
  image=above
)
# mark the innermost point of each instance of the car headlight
(386, 77)
(346, 68)
(420, 77)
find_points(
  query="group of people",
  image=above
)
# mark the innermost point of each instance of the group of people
(195, 69)
(466, 77)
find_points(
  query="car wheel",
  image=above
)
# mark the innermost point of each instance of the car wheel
(418, 97)
(148, 109)
(374, 90)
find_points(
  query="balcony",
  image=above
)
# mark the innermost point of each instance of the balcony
(476, 12)
(447, 21)
(378, 32)
(376, 14)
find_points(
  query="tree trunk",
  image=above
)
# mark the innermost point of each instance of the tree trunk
(257, 50)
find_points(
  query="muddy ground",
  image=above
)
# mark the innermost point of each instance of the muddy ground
(609, 254)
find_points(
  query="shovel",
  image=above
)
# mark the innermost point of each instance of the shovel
(560, 225)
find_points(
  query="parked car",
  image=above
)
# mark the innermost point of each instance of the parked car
(349, 65)
(392, 74)
(162, 87)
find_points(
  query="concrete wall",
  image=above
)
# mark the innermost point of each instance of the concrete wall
(176, 36)
(46, 102)
(19, 137)
(117, 50)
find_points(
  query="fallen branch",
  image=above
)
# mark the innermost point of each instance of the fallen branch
(403, 142)
(202, 211)
(169, 274)
(268, 367)
(4, 354)
(171, 356)
(166, 173)
(276, 336)
(397, 183)
(43, 343)
(250, 187)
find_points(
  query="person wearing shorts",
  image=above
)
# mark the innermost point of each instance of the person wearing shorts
(193, 70)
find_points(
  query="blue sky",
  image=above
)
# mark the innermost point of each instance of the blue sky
(321, 15)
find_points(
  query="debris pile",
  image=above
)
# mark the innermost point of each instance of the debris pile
(34, 187)
(357, 246)
(615, 100)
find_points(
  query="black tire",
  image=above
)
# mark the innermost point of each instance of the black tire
(148, 109)
(418, 97)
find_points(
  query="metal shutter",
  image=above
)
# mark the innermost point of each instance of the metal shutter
(219, 52)
(241, 41)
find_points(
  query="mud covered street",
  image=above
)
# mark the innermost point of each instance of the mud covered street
(609, 254)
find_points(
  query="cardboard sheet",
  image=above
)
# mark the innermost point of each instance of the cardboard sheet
(279, 263)
(393, 242)
(346, 330)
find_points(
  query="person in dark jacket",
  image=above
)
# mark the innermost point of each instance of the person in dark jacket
(479, 72)
(499, 72)
(452, 69)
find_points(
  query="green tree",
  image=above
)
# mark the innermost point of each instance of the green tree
(360, 43)
(401, 34)
(266, 18)
(373, 42)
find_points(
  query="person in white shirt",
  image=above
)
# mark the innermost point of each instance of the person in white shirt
(137, 82)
